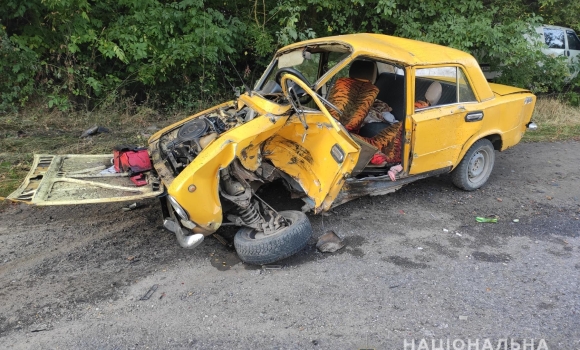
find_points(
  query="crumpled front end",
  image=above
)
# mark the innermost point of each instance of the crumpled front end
(188, 157)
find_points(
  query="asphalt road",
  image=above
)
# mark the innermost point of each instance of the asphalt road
(416, 268)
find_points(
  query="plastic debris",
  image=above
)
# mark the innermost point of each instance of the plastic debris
(393, 171)
(150, 292)
(445, 230)
(482, 219)
(132, 206)
(329, 242)
(463, 318)
(109, 170)
(94, 131)
(516, 220)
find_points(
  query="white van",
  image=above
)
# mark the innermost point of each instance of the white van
(560, 41)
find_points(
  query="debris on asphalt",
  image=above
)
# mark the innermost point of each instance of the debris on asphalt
(95, 130)
(150, 292)
(222, 240)
(39, 328)
(271, 267)
(132, 206)
(463, 318)
(516, 220)
(482, 219)
(445, 230)
(329, 242)
(499, 199)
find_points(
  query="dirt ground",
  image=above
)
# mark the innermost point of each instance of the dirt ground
(416, 266)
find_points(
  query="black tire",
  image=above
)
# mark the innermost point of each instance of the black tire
(476, 166)
(258, 249)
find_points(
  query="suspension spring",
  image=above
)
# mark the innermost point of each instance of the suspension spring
(250, 215)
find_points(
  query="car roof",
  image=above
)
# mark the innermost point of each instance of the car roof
(405, 51)
(549, 26)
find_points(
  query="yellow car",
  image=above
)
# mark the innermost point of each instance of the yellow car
(334, 118)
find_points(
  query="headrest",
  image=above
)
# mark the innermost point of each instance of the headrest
(366, 70)
(433, 93)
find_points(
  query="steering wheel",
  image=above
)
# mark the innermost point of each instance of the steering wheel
(304, 97)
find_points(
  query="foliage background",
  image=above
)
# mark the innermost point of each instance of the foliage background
(87, 55)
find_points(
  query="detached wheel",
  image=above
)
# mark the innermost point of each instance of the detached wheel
(256, 248)
(475, 167)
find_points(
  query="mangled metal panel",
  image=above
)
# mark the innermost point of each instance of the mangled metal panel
(80, 179)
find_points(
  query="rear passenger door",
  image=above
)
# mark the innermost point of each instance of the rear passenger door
(441, 129)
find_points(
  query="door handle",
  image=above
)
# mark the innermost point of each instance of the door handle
(474, 116)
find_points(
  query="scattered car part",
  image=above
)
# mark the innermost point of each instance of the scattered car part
(329, 242)
(149, 292)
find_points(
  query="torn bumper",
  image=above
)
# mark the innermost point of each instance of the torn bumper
(173, 224)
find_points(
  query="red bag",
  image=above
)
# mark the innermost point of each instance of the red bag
(131, 159)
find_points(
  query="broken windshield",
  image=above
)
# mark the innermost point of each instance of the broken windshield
(312, 63)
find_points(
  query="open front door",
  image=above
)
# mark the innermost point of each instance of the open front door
(313, 148)
(80, 179)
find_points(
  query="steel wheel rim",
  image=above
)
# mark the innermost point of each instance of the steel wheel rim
(478, 166)
(259, 234)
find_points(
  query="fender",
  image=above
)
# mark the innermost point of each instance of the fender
(201, 201)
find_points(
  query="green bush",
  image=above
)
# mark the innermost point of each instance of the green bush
(79, 54)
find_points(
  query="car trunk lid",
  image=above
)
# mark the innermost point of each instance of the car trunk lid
(504, 90)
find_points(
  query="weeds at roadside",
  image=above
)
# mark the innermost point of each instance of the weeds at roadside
(556, 119)
(13, 168)
(36, 130)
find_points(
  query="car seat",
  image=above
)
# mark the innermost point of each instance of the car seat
(354, 95)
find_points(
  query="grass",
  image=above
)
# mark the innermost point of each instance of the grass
(37, 130)
(557, 121)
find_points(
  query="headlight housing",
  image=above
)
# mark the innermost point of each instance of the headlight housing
(178, 209)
